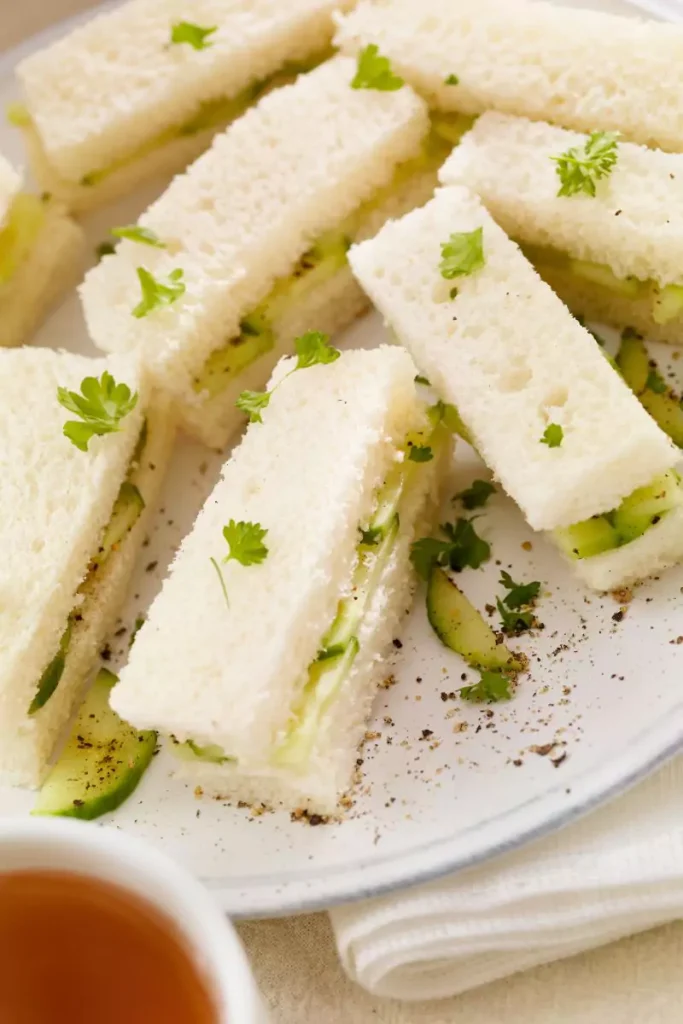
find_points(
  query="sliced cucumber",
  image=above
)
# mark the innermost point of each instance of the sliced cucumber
(24, 222)
(544, 256)
(646, 506)
(601, 274)
(459, 625)
(49, 680)
(210, 752)
(326, 676)
(633, 361)
(667, 413)
(102, 762)
(587, 538)
(451, 126)
(668, 303)
(127, 510)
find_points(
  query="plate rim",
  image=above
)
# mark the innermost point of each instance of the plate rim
(529, 821)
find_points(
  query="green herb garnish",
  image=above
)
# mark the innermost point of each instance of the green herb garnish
(311, 348)
(196, 36)
(491, 688)
(136, 233)
(462, 254)
(245, 545)
(420, 453)
(655, 382)
(553, 435)
(464, 548)
(101, 406)
(516, 606)
(374, 72)
(419, 379)
(580, 168)
(451, 80)
(155, 293)
(371, 536)
(476, 495)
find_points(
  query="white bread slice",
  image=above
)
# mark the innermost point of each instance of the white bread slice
(10, 184)
(292, 168)
(53, 266)
(318, 786)
(507, 353)
(308, 474)
(634, 223)
(55, 502)
(660, 547)
(101, 92)
(583, 69)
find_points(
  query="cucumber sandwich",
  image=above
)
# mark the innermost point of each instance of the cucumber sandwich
(556, 424)
(261, 655)
(40, 250)
(579, 68)
(601, 219)
(251, 241)
(81, 459)
(140, 90)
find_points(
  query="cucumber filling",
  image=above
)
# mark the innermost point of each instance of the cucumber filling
(127, 510)
(23, 224)
(325, 258)
(636, 514)
(666, 300)
(340, 645)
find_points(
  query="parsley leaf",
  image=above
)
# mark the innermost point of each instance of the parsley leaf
(492, 687)
(520, 594)
(579, 169)
(463, 548)
(101, 406)
(419, 379)
(371, 536)
(514, 620)
(136, 233)
(477, 495)
(451, 80)
(553, 435)
(253, 402)
(462, 254)
(217, 567)
(314, 347)
(420, 453)
(374, 72)
(156, 293)
(195, 35)
(655, 382)
(245, 542)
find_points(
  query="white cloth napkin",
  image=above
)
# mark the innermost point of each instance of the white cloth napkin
(613, 873)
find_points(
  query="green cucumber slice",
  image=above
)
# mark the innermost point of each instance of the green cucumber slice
(587, 538)
(666, 411)
(600, 274)
(459, 626)
(49, 680)
(191, 751)
(668, 303)
(126, 512)
(646, 506)
(24, 222)
(102, 762)
(325, 679)
(633, 361)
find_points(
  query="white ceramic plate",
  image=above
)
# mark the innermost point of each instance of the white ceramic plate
(432, 802)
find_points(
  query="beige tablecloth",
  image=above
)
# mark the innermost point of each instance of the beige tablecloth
(636, 981)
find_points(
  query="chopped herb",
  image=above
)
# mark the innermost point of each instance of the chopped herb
(462, 254)
(245, 542)
(374, 72)
(520, 594)
(156, 293)
(104, 249)
(217, 567)
(451, 80)
(453, 293)
(464, 548)
(491, 688)
(139, 623)
(136, 233)
(422, 380)
(476, 495)
(371, 536)
(514, 620)
(311, 348)
(580, 168)
(196, 36)
(553, 435)
(655, 382)
(420, 453)
(101, 405)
